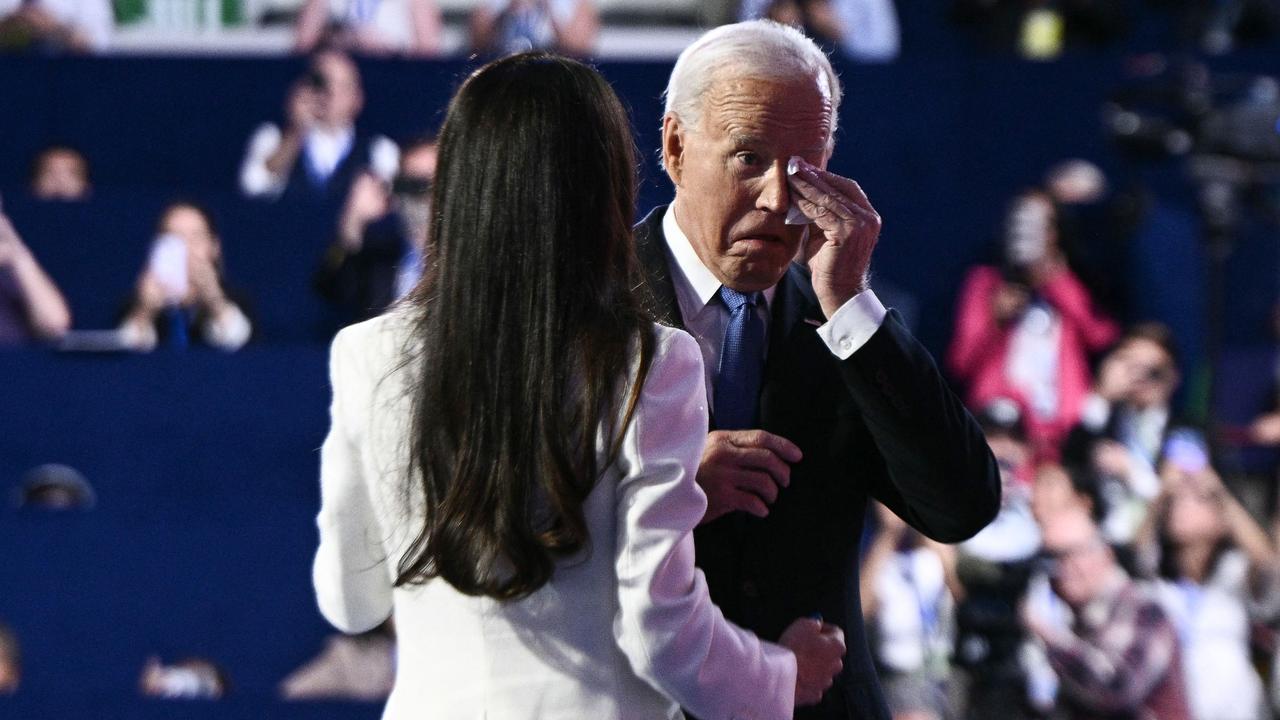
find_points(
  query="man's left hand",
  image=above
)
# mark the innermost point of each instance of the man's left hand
(842, 236)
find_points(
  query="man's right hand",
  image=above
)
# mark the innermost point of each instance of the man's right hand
(819, 649)
(743, 470)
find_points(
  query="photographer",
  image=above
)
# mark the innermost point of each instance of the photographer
(1024, 330)
(1216, 572)
(181, 295)
(1123, 425)
(318, 153)
(377, 254)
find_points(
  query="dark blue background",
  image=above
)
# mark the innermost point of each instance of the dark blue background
(206, 464)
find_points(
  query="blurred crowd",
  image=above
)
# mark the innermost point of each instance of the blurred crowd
(1124, 577)
(867, 30)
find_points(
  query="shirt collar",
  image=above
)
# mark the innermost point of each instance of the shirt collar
(696, 277)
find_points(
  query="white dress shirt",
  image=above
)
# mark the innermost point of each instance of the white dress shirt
(625, 629)
(705, 317)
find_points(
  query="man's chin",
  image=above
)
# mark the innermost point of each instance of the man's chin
(757, 276)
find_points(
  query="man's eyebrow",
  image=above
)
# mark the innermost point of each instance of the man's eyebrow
(743, 141)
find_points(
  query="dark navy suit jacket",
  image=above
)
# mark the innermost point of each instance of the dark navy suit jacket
(882, 424)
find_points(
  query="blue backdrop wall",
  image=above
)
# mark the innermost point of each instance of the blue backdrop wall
(206, 464)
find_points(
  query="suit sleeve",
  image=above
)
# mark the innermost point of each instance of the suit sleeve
(350, 574)
(671, 633)
(935, 469)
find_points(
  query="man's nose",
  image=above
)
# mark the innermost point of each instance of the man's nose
(775, 195)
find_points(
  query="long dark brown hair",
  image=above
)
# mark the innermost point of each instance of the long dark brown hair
(527, 323)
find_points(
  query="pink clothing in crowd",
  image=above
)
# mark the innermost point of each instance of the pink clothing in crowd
(980, 350)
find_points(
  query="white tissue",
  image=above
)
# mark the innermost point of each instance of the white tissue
(795, 216)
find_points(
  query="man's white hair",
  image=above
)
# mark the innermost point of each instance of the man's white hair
(754, 49)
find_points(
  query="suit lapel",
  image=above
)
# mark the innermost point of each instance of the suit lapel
(658, 292)
(793, 304)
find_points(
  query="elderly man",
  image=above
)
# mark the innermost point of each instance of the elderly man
(318, 154)
(1120, 658)
(820, 398)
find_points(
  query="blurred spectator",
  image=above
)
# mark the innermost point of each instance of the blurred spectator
(10, 661)
(181, 293)
(1058, 489)
(1013, 535)
(908, 608)
(377, 255)
(865, 30)
(502, 27)
(60, 172)
(55, 487)
(1123, 424)
(53, 27)
(1218, 573)
(351, 667)
(1024, 330)
(1042, 29)
(373, 27)
(31, 307)
(188, 679)
(1120, 657)
(992, 570)
(318, 153)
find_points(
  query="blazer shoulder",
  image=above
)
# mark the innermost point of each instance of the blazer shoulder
(370, 346)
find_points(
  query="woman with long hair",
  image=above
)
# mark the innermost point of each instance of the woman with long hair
(510, 469)
(1216, 575)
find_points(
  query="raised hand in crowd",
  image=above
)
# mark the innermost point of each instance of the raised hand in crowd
(26, 287)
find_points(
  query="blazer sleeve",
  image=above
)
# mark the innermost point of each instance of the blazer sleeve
(671, 633)
(350, 574)
(935, 469)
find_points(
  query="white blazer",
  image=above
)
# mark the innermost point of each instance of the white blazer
(623, 630)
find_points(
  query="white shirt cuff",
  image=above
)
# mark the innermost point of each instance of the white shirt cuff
(853, 324)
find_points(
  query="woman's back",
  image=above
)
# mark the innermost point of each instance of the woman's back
(613, 622)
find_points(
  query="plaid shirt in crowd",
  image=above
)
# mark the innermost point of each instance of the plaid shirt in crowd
(1122, 659)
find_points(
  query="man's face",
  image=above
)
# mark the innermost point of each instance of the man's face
(730, 174)
(1082, 562)
(342, 98)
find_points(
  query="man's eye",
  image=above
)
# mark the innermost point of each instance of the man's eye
(748, 159)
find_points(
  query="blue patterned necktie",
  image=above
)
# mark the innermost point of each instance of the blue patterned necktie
(737, 386)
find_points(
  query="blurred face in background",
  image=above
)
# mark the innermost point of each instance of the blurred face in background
(1153, 372)
(189, 224)
(1012, 455)
(61, 174)
(1194, 513)
(1082, 562)
(730, 173)
(1053, 492)
(340, 96)
(1031, 232)
(417, 174)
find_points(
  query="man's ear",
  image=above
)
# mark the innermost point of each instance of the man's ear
(673, 140)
